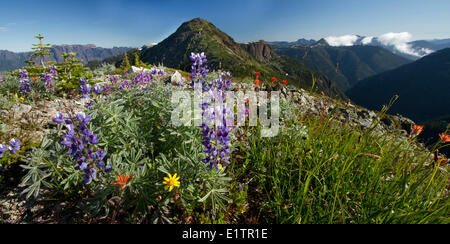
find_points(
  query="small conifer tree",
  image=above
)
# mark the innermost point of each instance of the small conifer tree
(70, 63)
(42, 50)
(126, 62)
(137, 60)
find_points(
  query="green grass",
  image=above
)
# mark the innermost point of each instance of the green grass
(339, 175)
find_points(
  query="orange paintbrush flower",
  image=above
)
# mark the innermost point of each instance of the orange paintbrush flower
(123, 180)
(417, 129)
(257, 82)
(444, 138)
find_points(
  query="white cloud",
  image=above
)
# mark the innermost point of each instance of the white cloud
(367, 40)
(5, 28)
(347, 40)
(400, 41)
(426, 51)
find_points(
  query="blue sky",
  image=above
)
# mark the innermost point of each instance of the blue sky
(109, 23)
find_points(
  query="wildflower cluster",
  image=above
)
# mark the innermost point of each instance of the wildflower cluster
(14, 145)
(25, 86)
(85, 88)
(81, 141)
(142, 79)
(156, 71)
(48, 78)
(113, 79)
(125, 84)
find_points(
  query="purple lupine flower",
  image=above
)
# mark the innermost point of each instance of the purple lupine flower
(25, 86)
(90, 174)
(2, 150)
(142, 79)
(23, 74)
(215, 138)
(59, 119)
(113, 79)
(47, 78)
(85, 89)
(241, 186)
(125, 84)
(80, 141)
(107, 89)
(98, 89)
(53, 70)
(83, 81)
(14, 145)
(24, 81)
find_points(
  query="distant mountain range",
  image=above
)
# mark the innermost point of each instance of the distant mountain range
(344, 65)
(242, 60)
(423, 88)
(11, 61)
(397, 43)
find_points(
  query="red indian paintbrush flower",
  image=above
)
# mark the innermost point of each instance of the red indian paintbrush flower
(257, 82)
(284, 82)
(444, 138)
(35, 78)
(417, 129)
(274, 79)
(123, 180)
(257, 74)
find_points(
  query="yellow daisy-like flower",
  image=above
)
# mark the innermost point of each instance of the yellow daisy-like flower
(21, 99)
(171, 181)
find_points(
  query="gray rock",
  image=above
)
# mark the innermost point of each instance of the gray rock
(176, 79)
(19, 109)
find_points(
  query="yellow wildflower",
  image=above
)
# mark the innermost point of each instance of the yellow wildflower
(171, 181)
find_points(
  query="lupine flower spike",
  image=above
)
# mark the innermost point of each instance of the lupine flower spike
(80, 140)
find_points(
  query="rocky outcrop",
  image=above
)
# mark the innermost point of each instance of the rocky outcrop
(261, 51)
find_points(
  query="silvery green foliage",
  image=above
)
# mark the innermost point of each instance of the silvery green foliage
(103, 70)
(134, 126)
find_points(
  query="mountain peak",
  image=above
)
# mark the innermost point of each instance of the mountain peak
(196, 24)
(199, 35)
